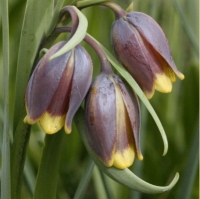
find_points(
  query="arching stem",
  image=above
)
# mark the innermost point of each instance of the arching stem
(119, 12)
(105, 64)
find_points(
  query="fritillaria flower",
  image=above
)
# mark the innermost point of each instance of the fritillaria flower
(113, 121)
(57, 88)
(142, 47)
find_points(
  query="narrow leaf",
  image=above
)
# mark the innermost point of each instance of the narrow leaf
(31, 34)
(46, 183)
(5, 178)
(83, 184)
(186, 26)
(137, 90)
(125, 176)
(55, 17)
(77, 37)
(191, 167)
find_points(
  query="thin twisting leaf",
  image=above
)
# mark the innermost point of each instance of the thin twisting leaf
(5, 156)
(77, 37)
(125, 176)
(137, 90)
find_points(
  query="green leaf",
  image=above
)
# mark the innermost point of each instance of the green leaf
(46, 183)
(31, 34)
(137, 90)
(125, 177)
(55, 17)
(77, 37)
(191, 166)
(84, 180)
(186, 26)
(5, 178)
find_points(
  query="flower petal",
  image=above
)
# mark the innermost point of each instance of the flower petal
(124, 149)
(51, 123)
(133, 110)
(44, 82)
(152, 32)
(100, 115)
(81, 82)
(54, 118)
(129, 50)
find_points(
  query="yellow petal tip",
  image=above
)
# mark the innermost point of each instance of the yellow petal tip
(125, 159)
(163, 83)
(51, 124)
(181, 76)
(140, 157)
(67, 129)
(28, 120)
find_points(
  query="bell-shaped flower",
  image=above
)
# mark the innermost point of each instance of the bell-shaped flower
(112, 117)
(142, 47)
(57, 88)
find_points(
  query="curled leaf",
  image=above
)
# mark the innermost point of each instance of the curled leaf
(77, 37)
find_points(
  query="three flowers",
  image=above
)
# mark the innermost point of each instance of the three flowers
(57, 88)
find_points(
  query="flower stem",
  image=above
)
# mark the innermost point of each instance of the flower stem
(46, 183)
(119, 12)
(105, 64)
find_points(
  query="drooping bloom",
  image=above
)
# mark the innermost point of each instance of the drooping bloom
(142, 47)
(57, 88)
(113, 121)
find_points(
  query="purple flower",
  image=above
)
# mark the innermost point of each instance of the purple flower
(57, 88)
(142, 47)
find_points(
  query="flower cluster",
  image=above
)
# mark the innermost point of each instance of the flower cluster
(57, 88)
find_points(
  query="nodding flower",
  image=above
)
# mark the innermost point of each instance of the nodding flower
(113, 121)
(57, 88)
(142, 47)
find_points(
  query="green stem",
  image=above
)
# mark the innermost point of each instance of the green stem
(84, 180)
(106, 185)
(18, 150)
(46, 183)
(119, 12)
(5, 178)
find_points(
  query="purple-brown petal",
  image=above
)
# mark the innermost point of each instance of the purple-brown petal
(60, 100)
(44, 82)
(131, 52)
(132, 107)
(80, 84)
(153, 33)
(100, 115)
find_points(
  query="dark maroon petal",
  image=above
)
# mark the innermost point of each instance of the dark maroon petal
(131, 52)
(44, 82)
(81, 82)
(60, 101)
(153, 33)
(100, 115)
(133, 109)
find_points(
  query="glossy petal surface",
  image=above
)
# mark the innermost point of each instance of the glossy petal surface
(129, 49)
(100, 115)
(124, 148)
(154, 35)
(54, 117)
(81, 82)
(44, 83)
(132, 108)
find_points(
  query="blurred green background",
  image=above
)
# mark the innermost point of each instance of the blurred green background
(178, 110)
